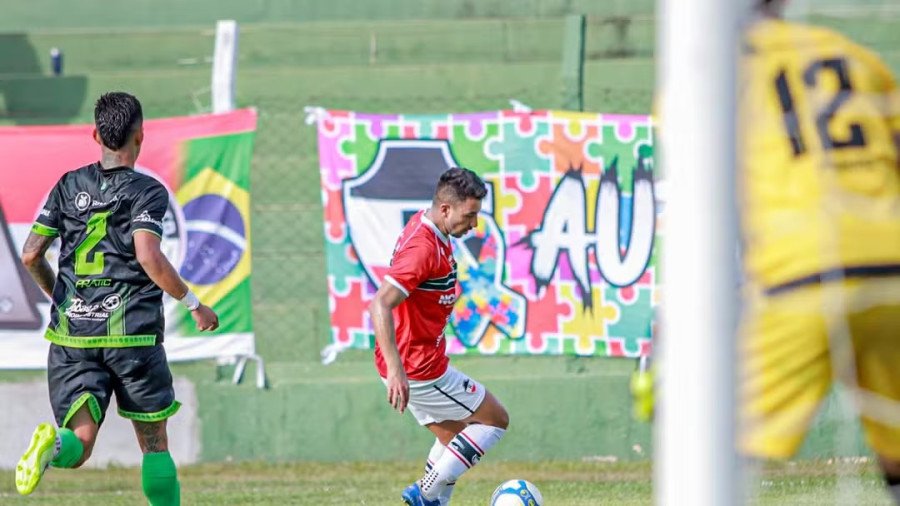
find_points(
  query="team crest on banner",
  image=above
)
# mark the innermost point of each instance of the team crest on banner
(399, 183)
(564, 257)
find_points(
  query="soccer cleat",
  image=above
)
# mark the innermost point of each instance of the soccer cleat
(412, 495)
(36, 458)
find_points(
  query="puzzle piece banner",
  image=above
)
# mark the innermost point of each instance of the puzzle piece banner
(564, 258)
(204, 162)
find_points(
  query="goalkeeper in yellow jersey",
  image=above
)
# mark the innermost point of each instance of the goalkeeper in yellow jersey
(820, 186)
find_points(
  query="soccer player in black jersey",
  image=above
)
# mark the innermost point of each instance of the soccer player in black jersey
(106, 323)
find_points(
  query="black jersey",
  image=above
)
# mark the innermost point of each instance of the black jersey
(102, 296)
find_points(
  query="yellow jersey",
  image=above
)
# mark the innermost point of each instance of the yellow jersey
(819, 177)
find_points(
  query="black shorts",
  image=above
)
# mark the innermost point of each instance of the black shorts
(139, 376)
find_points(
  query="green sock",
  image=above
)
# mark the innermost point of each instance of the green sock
(160, 480)
(69, 449)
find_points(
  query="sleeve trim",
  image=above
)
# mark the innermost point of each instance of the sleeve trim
(44, 230)
(141, 229)
(396, 283)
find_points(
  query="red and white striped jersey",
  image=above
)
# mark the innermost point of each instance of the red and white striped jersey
(423, 268)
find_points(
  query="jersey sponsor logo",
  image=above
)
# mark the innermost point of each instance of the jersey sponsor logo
(111, 302)
(45, 212)
(99, 203)
(145, 217)
(82, 201)
(447, 299)
(78, 310)
(93, 283)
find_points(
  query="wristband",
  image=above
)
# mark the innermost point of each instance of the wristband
(190, 301)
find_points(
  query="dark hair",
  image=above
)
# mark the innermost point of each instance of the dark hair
(458, 184)
(116, 116)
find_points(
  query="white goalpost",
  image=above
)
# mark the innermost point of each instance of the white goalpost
(695, 461)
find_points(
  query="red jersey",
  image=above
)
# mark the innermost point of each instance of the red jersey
(423, 268)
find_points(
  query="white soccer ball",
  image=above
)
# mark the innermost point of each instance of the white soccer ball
(517, 493)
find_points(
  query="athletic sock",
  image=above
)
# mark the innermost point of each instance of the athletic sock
(893, 486)
(160, 480)
(464, 451)
(69, 449)
(437, 449)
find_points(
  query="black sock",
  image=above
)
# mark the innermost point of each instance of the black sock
(893, 485)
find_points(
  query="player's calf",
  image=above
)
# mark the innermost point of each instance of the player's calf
(491, 412)
(76, 439)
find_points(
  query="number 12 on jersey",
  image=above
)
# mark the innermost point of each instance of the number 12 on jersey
(811, 77)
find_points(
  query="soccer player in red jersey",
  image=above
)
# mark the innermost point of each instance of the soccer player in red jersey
(409, 313)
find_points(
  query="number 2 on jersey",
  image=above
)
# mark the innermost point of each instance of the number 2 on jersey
(96, 231)
(838, 66)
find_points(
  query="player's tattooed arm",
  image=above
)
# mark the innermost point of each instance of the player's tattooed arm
(34, 260)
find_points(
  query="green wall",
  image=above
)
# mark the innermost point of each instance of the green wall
(560, 408)
(142, 14)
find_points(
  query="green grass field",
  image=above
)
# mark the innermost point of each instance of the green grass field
(583, 483)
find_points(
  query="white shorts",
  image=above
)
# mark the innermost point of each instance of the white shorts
(453, 396)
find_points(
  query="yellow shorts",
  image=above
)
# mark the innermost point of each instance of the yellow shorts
(794, 344)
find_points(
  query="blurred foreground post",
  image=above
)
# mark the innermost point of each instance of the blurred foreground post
(695, 459)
